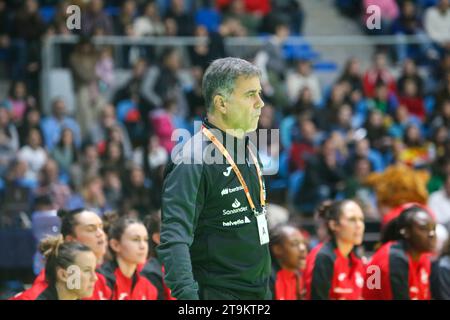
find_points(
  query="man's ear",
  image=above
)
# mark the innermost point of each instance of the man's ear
(219, 103)
(69, 238)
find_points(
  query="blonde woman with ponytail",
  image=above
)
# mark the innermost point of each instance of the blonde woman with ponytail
(69, 270)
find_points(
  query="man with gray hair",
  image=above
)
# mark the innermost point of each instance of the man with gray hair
(214, 237)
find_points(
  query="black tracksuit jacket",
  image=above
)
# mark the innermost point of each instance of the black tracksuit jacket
(209, 234)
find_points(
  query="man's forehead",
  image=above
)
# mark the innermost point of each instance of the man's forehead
(248, 83)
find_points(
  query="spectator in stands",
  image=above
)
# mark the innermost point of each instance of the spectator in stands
(107, 121)
(403, 261)
(301, 78)
(168, 83)
(376, 74)
(411, 99)
(89, 102)
(31, 120)
(409, 72)
(114, 158)
(18, 194)
(288, 249)
(377, 132)
(140, 86)
(236, 10)
(104, 69)
(112, 188)
(439, 203)
(93, 196)
(261, 8)
(182, 16)
(439, 279)
(27, 28)
(52, 125)
(19, 100)
(352, 74)
(271, 62)
(409, 24)
(163, 124)
(151, 156)
(88, 165)
(439, 138)
(95, 19)
(125, 17)
(33, 154)
(137, 193)
(305, 106)
(383, 100)
(437, 24)
(356, 189)
(49, 184)
(333, 269)
(416, 152)
(195, 100)
(150, 23)
(65, 152)
(9, 139)
(305, 147)
(443, 92)
(324, 178)
(442, 116)
(332, 105)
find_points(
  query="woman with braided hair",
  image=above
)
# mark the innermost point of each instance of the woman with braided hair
(400, 268)
(288, 250)
(333, 270)
(69, 270)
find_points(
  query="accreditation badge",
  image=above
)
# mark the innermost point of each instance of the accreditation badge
(263, 230)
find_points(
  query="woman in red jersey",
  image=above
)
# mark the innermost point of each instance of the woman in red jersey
(400, 268)
(69, 270)
(333, 270)
(83, 226)
(288, 249)
(128, 241)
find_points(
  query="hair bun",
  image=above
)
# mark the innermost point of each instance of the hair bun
(50, 246)
(62, 213)
(323, 209)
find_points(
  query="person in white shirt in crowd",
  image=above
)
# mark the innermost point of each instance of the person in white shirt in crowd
(301, 78)
(439, 202)
(150, 23)
(33, 154)
(437, 23)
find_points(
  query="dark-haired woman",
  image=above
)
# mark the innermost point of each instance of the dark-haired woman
(64, 261)
(400, 269)
(333, 270)
(288, 249)
(81, 226)
(128, 241)
(153, 269)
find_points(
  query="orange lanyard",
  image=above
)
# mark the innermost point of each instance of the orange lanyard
(230, 160)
